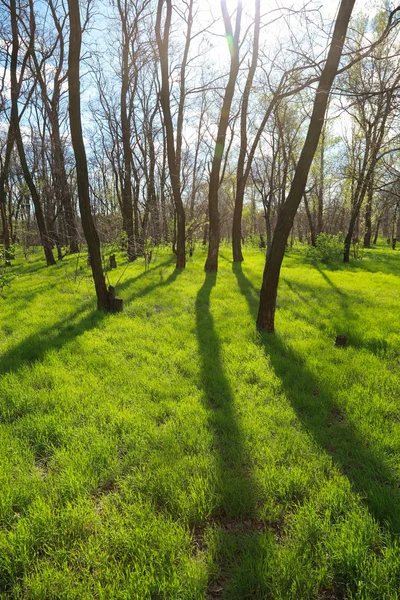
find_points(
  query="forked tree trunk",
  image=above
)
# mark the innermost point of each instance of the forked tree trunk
(266, 312)
(89, 229)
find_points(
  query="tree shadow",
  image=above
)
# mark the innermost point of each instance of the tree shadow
(145, 275)
(325, 420)
(34, 347)
(342, 321)
(234, 515)
(161, 283)
(387, 263)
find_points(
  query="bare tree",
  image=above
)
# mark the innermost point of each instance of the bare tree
(51, 98)
(173, 152)
(233, 37)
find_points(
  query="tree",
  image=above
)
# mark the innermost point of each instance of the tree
(233, 38)
(372, 86)
(269, 288)
(51, 93)
(15, 123)
(240, 182)
(89, 229)
(173, 152)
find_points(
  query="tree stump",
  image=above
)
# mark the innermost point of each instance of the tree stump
(111, 293)
(116, 304)
(341, 340)
(113, 262)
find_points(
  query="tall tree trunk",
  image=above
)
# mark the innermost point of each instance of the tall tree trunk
(268, 294)
(89, 229)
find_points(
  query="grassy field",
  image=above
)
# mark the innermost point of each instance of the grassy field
(171, 452)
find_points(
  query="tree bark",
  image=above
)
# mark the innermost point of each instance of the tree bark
(268, 294)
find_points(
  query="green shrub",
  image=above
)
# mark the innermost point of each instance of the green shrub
(328, 248)
(5, 276)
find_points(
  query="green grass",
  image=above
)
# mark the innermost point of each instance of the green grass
(171, 452)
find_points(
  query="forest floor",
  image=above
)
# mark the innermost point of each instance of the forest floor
(171, 452)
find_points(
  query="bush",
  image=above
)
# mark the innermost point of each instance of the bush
(5, 276)
(328, 248)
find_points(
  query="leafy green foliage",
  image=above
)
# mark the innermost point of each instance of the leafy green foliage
(6, 274)
(171, 452)
(328, 248)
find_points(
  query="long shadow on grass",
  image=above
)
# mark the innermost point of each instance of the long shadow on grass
(235, 512)
(144, 275)
(317, 409)
(34, 347)
(345, 321)
(387, 263)
(141, 292)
